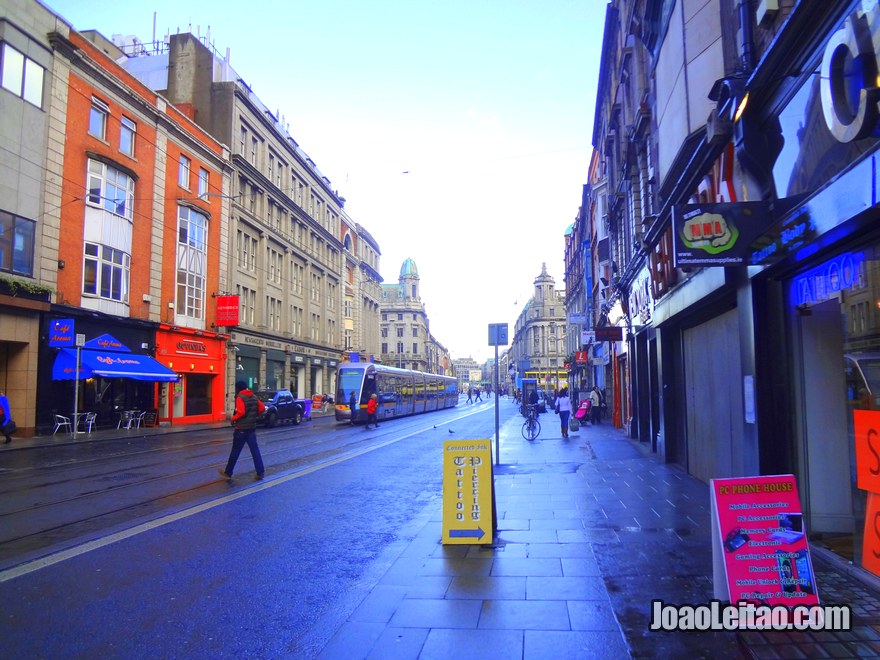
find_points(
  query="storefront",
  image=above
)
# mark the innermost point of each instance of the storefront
(199, 358)
(817, 299)
(107, 395)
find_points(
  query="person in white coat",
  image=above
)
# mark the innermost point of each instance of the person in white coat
(563, 407)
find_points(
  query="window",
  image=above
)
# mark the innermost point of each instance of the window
(248, 298)
(204, 177)
(400, 347)
(242, 142)
(16, 244)
(400, 332)
(192, 257)
(98, 119)
(21, 76)
(384, 347)
(384, 332)
(247, 251)
(415, 332)
(183, 172)
(110, 189)
(127, 133)
(273, 313)
(253, 151)
(415, 348)
(106, 272)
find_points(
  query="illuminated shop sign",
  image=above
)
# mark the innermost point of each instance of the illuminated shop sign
(849, 80)
(845, 272)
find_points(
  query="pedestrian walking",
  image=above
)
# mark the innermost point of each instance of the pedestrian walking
(372, 407)
(6, 423)
(477, 391)
(470, 395)
(247, 408)
(595, 401)
(563, 407)
(352, 406)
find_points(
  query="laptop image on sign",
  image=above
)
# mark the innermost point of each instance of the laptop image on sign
(791, 528)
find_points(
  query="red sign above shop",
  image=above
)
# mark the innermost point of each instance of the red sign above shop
(227, 310)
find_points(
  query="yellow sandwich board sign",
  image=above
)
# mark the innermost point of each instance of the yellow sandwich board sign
(467, 491)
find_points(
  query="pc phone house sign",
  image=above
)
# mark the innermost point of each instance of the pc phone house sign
(760, 542)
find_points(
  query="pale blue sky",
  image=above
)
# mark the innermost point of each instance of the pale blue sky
(488, 105)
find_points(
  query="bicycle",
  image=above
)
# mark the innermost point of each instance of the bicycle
(531, 428)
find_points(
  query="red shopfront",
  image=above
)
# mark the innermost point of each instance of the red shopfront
(199, 358)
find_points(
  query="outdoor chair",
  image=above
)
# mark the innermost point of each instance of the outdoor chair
(125, 420)
(137, 418)
(61, 420)
(89, 421)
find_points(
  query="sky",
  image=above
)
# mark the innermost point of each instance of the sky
(459, 132)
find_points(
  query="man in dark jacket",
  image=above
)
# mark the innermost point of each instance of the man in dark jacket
(247, 408)
(352, 406)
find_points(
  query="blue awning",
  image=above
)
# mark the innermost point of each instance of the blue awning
(109, 364)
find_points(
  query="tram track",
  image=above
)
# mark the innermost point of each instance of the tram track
(48, 507)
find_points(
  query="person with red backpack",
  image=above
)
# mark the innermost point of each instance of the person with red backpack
(247, 408)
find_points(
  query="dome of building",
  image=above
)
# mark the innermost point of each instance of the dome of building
(409, 269)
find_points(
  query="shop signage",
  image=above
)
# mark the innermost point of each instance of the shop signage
(191, 347)
(580, 357)
(760, 542)
(588, 337)
(783, 237)
(867, 436)
(716, 234)
(467, 491)
(227, 310)
(663, 273)
(577, 319)
(845, 272)
(852, 56)
(640, 301)
(61, 332)
(609, 333)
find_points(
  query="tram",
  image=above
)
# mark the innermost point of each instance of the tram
(400, 392)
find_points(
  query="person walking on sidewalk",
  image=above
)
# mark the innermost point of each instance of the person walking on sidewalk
(247, 408)
(372, 407)
(595, 401)
(563, 407)
(6, 423)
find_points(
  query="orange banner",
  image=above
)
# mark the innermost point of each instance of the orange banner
(867, 432)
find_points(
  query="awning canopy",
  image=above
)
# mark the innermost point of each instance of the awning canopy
(110, 364)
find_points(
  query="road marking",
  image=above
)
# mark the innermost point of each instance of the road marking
(70, 553)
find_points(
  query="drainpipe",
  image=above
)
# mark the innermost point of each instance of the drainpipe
(745, 24)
